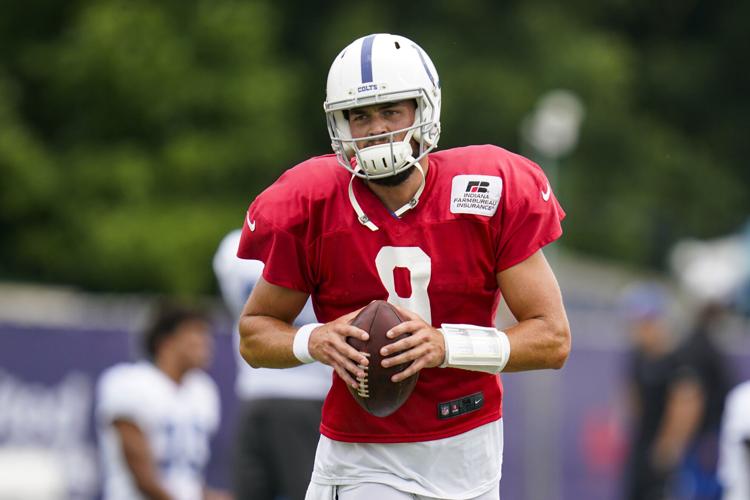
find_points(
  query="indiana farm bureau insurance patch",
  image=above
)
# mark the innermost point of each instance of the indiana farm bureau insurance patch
(476, 194)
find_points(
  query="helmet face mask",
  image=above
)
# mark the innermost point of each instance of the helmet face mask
(379, 69)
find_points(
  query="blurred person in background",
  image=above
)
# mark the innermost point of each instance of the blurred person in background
(155, 418)
(676, 401)
(663, 408)
(700, 361)
(277, 431)
(734, 447)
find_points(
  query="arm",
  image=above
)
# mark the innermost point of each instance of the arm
(267, 334)
(266, 331)
(139, 460)
(541, 339)
(682, 416)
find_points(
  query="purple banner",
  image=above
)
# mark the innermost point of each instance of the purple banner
(564, 431)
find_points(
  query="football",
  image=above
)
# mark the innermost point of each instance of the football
(377, 394)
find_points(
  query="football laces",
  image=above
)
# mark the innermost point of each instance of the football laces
(363, 387)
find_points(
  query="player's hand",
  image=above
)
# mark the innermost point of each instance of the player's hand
(425, 347)
(328, 345)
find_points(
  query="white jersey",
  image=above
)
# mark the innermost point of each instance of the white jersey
(734, 453)
(237, 277)
(459, 467)
(176, 419)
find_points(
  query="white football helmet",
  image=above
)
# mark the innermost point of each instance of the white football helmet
(375, 69)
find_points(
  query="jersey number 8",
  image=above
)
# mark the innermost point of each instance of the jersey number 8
(419, 265)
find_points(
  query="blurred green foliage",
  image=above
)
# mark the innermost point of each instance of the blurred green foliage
(133, 134)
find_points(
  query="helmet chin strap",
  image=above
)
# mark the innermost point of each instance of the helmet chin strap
(365, 220)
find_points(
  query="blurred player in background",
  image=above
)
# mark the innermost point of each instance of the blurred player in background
(440, 236)
(677, 394)
(278, 423)
(701, 362)
(663, 406)
(155, 418)
(734, 456)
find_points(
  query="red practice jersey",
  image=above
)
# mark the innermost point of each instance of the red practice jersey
(483, 210)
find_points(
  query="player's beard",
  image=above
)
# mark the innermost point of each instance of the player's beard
(394, 180)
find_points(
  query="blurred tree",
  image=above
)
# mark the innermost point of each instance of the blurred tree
(133, 134)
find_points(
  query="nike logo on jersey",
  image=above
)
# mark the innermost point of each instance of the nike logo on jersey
(547, 193)
(250, 224)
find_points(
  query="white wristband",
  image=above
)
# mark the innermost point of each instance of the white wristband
(301, 340)
(476, 348)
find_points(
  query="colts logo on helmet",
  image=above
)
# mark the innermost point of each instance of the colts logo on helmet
(367, 88)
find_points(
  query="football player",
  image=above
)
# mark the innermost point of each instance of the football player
(155, 418)
(441, 235)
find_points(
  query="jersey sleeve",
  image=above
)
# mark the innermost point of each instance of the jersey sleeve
(119, 397)
(275, 232)
(531, 216)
